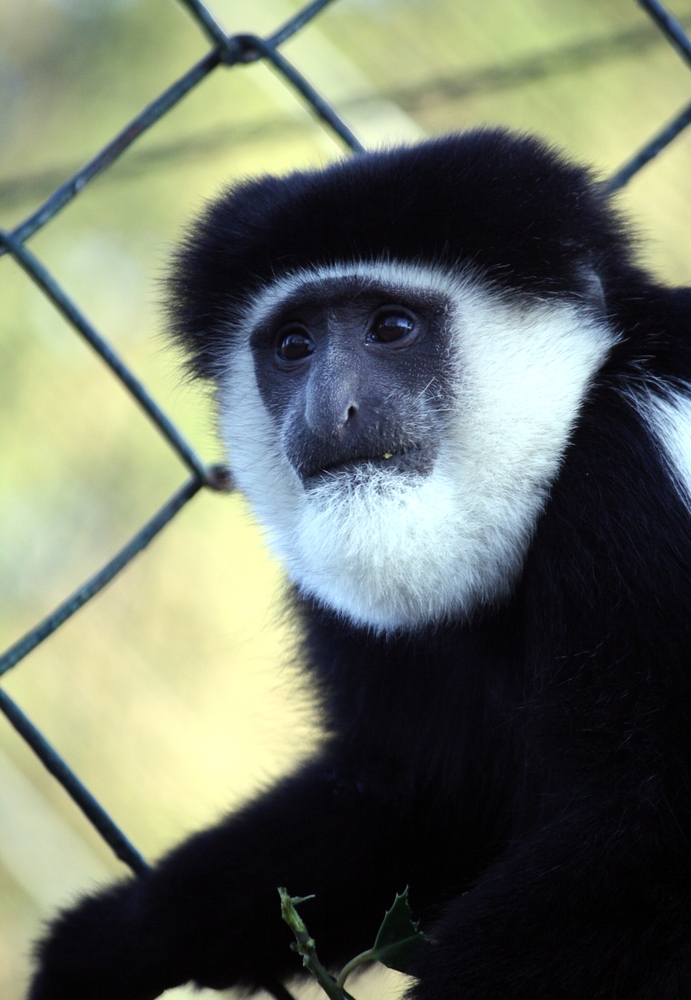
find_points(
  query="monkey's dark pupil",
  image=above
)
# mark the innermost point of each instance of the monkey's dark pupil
(392, 326)
(295, 346)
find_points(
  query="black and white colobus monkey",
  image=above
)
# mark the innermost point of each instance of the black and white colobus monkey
(462, 412)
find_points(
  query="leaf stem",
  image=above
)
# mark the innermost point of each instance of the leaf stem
(364, 956)
(305, 946)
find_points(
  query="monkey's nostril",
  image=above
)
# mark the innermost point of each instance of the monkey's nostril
(352, 410)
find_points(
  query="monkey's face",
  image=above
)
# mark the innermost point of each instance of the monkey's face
(397, 428)
(356, 380)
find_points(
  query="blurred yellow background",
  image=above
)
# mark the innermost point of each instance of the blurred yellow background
(175, 694)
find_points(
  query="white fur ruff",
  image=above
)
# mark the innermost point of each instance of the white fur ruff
(668, 417)
(395, 551)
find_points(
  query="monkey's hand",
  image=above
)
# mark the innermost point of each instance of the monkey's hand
(102, 949)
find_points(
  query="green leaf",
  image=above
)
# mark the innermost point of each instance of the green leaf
(398, 937)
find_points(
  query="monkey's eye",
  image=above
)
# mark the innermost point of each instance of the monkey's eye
(294, 344)
(390, 326)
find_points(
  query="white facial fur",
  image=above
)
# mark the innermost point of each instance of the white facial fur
(668, 416)
(398, 551)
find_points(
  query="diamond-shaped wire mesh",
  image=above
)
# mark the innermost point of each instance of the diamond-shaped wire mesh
(228, 51)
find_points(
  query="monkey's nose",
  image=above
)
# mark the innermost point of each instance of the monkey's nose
(331, 419)
(345, 426)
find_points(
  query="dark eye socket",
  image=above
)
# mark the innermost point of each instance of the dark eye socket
(392, 325)
(294, 343)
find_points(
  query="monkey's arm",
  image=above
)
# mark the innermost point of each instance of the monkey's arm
(210, 912)
(592, 905)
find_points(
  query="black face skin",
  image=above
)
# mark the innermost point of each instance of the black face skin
(356, 377)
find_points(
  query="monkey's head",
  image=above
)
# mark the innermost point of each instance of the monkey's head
(400, 345)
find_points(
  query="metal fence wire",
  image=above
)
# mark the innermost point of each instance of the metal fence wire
(228, 51)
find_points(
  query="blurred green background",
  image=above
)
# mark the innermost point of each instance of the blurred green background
(174, 694)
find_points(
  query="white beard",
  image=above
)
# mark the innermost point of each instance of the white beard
(392, 550)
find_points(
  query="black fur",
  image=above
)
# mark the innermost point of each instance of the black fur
(520, 214)
(528, 775)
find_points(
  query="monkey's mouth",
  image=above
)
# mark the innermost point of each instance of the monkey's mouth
(359, 468)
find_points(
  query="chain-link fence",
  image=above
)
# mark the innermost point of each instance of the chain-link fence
(226, 51)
